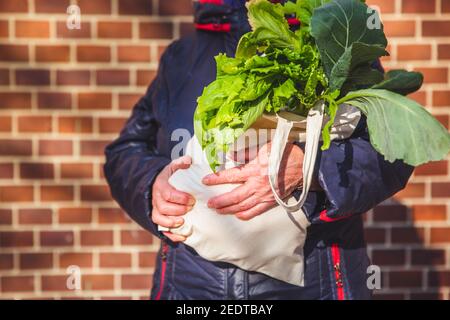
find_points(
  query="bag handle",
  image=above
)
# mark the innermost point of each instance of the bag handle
(314, 123)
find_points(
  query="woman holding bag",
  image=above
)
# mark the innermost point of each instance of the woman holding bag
(139, 166)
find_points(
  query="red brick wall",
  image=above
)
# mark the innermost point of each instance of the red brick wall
(65, 93)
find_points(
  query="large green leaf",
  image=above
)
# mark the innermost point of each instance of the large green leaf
(401, 81)
(400, 128)
(337, 25)
(354, 56)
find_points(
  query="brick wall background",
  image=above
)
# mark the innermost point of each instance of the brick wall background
(65, 93)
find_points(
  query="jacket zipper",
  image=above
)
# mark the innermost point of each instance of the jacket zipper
(164, 251)
(336, 256)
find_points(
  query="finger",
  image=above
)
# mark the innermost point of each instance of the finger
(170, 194)
(166, 221)
(255, 211)
(174, 237)
(233, 197)
(171, 209)
(239, 207)
(180, 163)
(233, 175)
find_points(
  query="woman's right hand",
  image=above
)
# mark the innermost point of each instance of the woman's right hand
(169, 204)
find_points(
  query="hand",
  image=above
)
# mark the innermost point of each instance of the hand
(168, 203)
(254, 196)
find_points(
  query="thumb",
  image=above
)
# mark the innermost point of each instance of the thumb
(180, 163)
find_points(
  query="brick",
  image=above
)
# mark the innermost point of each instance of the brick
(419, 96)
(63, 32)
(77, 170)
(375, 235)
(75, 215)
(111, 125)
(4, 77)
(36, 77)
(388, 296)
(95, 7)
(147, 259)
(156, 30)
(414, 52)
(412, 190)
(443, 51)
(57, 193)
(407, 235)
(56, 238)
(171, 8)
(113, 77)
(17, 283)
(55, 147)
(114, 30)
(52, 53)
(405, 279)
(429, 212)
(15, 147)
(54, 100)
(128, 100)
(5, 124)
(399, 28)
(6, 171)
(112, 215)
(91, 100)
(4, 29)
(386, 6)
(115, 260)
(96, 238)
(90, 53)
(428, 257)
(445, 6)
(35, 216)
(93, 147)
(427, 296)
(440, 235)
(418, 6)
(186, 29)
(434, 75)
(98, 282)
(16, 239)
(54, 283)
(16, 193)
(436, 28)
(439, 278)
(51, 6)
(36, 171)
(389, 257)
(33, 261)
(432, 169)
(144, 78)
(440, 190)
(15, 100)
(443, 119)
(135, 237)
(6, 261)
(83, 260)
(32, 29)
(390, 213)
(441, 98)
(135, 7)
(136, 53)
(13, 53)
(75, 125)
(95, 193)
(14, 6)
(73, 77)
(35, 124)
(136, 282)
(5, 217)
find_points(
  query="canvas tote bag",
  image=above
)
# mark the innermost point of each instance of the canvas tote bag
(271, 243)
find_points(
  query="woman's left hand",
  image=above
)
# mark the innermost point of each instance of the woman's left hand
(254, 196)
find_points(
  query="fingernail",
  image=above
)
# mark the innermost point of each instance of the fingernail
(191, 201)
(210, 204)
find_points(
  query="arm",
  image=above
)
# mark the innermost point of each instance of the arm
(355, 178)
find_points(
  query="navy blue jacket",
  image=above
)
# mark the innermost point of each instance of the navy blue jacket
(354, 178)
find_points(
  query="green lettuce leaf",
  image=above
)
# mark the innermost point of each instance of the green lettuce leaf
(400, 128)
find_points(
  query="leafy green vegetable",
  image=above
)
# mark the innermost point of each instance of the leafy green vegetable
(399, 127)
(329, 57)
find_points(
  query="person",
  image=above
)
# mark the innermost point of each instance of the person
(351, 175)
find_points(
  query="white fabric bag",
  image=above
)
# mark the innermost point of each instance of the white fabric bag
(271, 243)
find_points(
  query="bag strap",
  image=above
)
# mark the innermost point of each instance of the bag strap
(314, 123)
